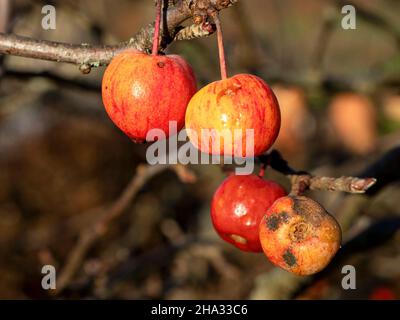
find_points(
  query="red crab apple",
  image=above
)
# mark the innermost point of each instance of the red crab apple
(143, 92)
(299, 235)
(227, 109)
(237, 116)
(238, 206)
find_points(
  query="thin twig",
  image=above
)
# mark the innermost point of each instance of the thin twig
(5, 8)
(57, 51)
(323, 39)
(76, 83)
(302, 181)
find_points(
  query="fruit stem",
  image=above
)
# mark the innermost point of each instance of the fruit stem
(221, 49)
(157, 25)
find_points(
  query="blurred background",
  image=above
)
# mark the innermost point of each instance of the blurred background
(61, 158)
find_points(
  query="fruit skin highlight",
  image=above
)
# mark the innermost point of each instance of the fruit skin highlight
(298, 235)
(142, 92)
(238, 206)
(238, 103)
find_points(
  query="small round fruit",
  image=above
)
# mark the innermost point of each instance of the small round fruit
(143, 92)
(238, 206)
(219, 116)
(298, 235)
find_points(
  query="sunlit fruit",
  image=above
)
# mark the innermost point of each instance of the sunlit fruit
(143, 92)
(237, 116)
(238, 206)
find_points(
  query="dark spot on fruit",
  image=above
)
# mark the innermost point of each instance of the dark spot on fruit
(299, 232)
(289, 258)
(275, 220)
(272, 223)
(311, 210)
(284, 216)
(161, 64)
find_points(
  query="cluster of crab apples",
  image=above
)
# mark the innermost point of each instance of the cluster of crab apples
(295, 232)
(142, 92)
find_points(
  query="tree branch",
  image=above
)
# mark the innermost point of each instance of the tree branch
(93, 56)
(5, 9)
(57, 51)
(302, 181)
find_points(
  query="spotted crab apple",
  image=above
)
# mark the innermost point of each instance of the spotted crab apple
(299, 235)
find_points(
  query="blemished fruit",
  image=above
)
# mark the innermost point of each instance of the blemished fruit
(238, 206)
(354, 120)
(143, 92)
(228, 108)
(299, 235)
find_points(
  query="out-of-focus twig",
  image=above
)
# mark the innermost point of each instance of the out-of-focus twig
(95, 231)
(385, 169)
(58, 79)
(327, 28)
